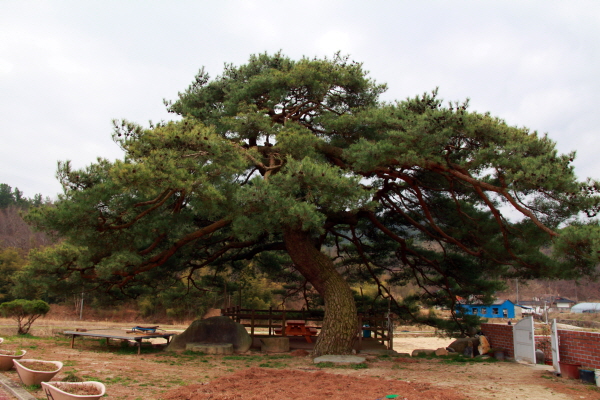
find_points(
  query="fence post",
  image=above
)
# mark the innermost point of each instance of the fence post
(375, 331)
(360, 332)
(270, 319)
(283, 324)
(252, 323)
(390, 333)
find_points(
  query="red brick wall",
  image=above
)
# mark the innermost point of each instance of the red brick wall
(576, 347)
(500, 336)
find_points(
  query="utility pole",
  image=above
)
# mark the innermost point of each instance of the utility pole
(81, 309)
(517, 283)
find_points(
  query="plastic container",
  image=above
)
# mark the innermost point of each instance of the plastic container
(598, 377)
(587, 375)
(366, 331)
(570, 371)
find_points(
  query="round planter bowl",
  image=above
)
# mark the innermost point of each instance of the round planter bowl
(32, 377)
(52, 392)
(6, 361)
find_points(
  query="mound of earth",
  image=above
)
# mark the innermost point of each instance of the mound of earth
(263, 383)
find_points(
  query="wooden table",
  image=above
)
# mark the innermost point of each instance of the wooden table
(299, 328)
(119, 334)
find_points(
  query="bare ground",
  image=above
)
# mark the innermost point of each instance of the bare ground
(159, 375)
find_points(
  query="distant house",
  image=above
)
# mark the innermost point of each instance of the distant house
(563, 305)
(533, 307)
(498, 309)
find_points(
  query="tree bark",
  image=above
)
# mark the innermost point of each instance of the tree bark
(340, 323)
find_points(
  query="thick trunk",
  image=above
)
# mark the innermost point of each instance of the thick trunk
(340, 323)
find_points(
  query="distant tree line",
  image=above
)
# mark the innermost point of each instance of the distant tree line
(14, 197)
(15, 233)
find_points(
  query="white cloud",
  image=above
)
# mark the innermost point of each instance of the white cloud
(6, 67)
(336, 40)
(67, 68)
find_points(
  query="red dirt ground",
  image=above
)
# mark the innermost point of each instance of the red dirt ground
(262, 383)
(156, 374)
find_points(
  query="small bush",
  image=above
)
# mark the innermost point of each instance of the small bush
(25, 312)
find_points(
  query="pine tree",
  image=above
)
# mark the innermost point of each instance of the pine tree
(294, 156)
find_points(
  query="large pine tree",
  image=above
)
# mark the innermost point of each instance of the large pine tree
(292, 156)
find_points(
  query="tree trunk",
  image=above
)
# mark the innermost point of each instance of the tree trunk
(340, 323)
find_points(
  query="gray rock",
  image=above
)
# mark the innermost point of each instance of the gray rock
(211, 348)
(441, 352)
(468, 351)
(540, 357)
(213, 330)
(427, 352)
(340, 359)
(275, 345)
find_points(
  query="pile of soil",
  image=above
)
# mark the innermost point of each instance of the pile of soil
(262, 383)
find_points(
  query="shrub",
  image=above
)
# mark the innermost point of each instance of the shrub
(25, 312)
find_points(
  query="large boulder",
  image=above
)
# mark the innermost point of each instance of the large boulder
(459, 345)
(213, 330)
(484, 345)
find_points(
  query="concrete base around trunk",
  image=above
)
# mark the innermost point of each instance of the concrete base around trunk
(210, 348)
(369, 346)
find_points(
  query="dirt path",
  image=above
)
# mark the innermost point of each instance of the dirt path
(160, 375)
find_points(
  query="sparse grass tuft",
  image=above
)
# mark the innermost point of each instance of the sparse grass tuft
(71, 377)
(341, 366)
(460, 359)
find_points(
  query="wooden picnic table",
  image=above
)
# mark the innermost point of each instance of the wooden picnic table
(119, 334)
(298, 328)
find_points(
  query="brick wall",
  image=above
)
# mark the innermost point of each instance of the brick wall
(500, 336)
(576, 347)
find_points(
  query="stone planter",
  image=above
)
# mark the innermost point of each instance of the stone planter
(6, 360)
(53, 392)
(33, 377)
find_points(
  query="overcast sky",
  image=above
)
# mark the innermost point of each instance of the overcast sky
(67, 68)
